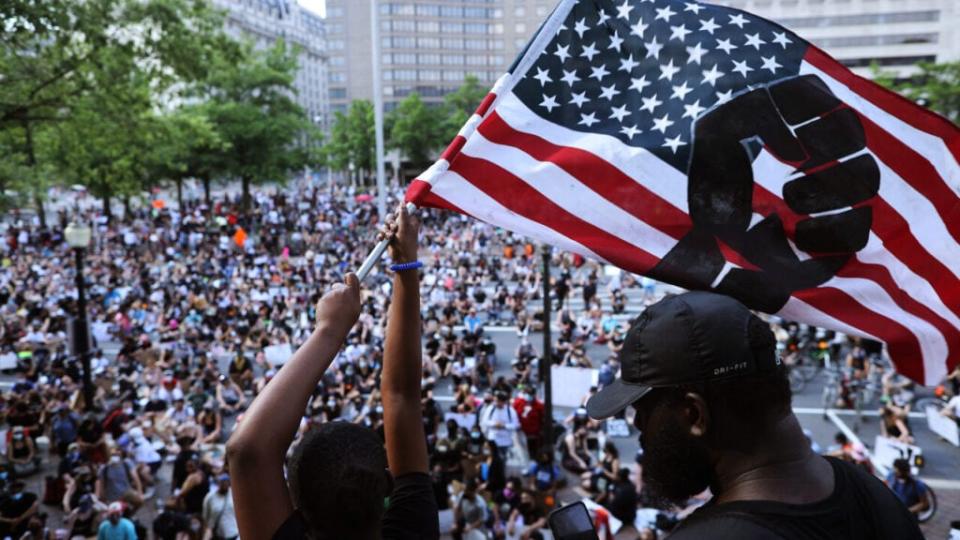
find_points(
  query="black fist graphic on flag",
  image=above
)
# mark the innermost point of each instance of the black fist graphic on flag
(803, 124)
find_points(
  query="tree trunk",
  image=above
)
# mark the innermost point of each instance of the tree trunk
(107, 211)
(126, 207)
(206, 192)
(32, 162)
(245, 204)
(180, 195)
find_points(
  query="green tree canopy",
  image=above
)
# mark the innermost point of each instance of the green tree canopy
(415, 130)
(936, 87)
(352, 139)
(267, 135)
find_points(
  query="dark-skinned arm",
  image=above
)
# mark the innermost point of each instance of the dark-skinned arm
(402, 364)
(257, 449)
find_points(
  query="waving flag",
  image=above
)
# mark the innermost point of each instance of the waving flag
(710, 148)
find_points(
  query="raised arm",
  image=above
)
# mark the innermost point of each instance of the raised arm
(257, 449)
(402, 364)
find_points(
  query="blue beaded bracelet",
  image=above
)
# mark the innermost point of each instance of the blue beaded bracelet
(406, 266)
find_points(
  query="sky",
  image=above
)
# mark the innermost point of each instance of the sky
(316, 6)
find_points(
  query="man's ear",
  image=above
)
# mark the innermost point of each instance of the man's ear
(698, 416)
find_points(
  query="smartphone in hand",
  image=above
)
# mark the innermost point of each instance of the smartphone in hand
(572, 522)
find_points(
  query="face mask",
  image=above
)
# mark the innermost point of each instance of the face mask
(114, 460)
(128, 412)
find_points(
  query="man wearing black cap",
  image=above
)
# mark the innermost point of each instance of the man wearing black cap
(712, 405)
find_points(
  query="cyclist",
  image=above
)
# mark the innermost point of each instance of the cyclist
(911, 491)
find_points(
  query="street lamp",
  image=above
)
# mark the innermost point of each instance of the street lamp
(78, 238)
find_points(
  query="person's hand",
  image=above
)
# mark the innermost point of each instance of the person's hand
(402, 228)
(340, 306)
(827, 214)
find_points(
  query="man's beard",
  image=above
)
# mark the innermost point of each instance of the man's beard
(676, 466)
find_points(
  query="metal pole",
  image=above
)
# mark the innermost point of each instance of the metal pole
(81, 337)
(546, 362)
(378, 109)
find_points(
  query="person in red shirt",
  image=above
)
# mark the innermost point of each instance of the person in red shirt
(530, 411)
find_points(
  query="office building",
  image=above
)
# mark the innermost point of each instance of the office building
(427, 46)
(265, 21)
(894, 34)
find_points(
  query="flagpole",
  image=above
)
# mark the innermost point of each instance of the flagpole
(377, 251)
(378, 110)
(546, 362)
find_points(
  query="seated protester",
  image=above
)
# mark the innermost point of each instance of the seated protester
(912, 492)
(211, 424)
(171, 523)
(116, 527)
(180, 412)
(187, 453)
(84, 520)
(63, 429)
(575, 456)
(194, 488)
(118, 481)
(469, 513)
(83, 482)
(544, 476)
(21, 453)
(526, 519)
(92, 440)
(621, 497)
(230, 396)
(16, 509)
(241, 370)
(71, 461)
(148, 460)
(117, 419)
(338, 472)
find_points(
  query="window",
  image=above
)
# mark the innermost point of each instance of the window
(475, 13)
(338, 93)
(428, 43)
(453, 44)
(335, 44)
(403, 26)
(430, 58)
(520, 11)
(400, 42)
(451, 27)
(521, 28)
(542, 11)
(337, 61)
(476, 60)
(475, 44)
(404, 58)
(453, 59)
(337, 77)
(452, 75)
(334, 12)
(428, 10)
(862, 19)
(429, 74)
(475, 28)
(428, 26)
(867, 41)
(451, 11)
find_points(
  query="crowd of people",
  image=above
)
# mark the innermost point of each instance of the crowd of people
(191, 321)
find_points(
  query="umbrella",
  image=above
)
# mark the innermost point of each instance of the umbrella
(364, 197)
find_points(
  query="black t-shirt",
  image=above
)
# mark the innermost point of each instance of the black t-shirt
(411, 513)
(859, 507)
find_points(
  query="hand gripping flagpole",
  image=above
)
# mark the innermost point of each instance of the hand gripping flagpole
(377, 252)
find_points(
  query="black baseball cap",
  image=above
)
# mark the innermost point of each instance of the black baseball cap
(688, 338)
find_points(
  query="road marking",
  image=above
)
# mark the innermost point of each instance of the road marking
(847, 412)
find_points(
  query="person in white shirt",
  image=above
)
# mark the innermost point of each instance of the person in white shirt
(500, 422)
(952, 409)
(219, 518)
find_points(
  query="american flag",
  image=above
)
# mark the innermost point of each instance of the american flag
(710, 148)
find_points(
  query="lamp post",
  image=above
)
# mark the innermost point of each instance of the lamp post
(78, 238)
(546, 362)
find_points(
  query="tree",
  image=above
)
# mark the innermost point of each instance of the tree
(415, 130)
(54, 55)
(250, 105)
(352, 139)
(190, 147)
(460, 106)
(936, 87)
